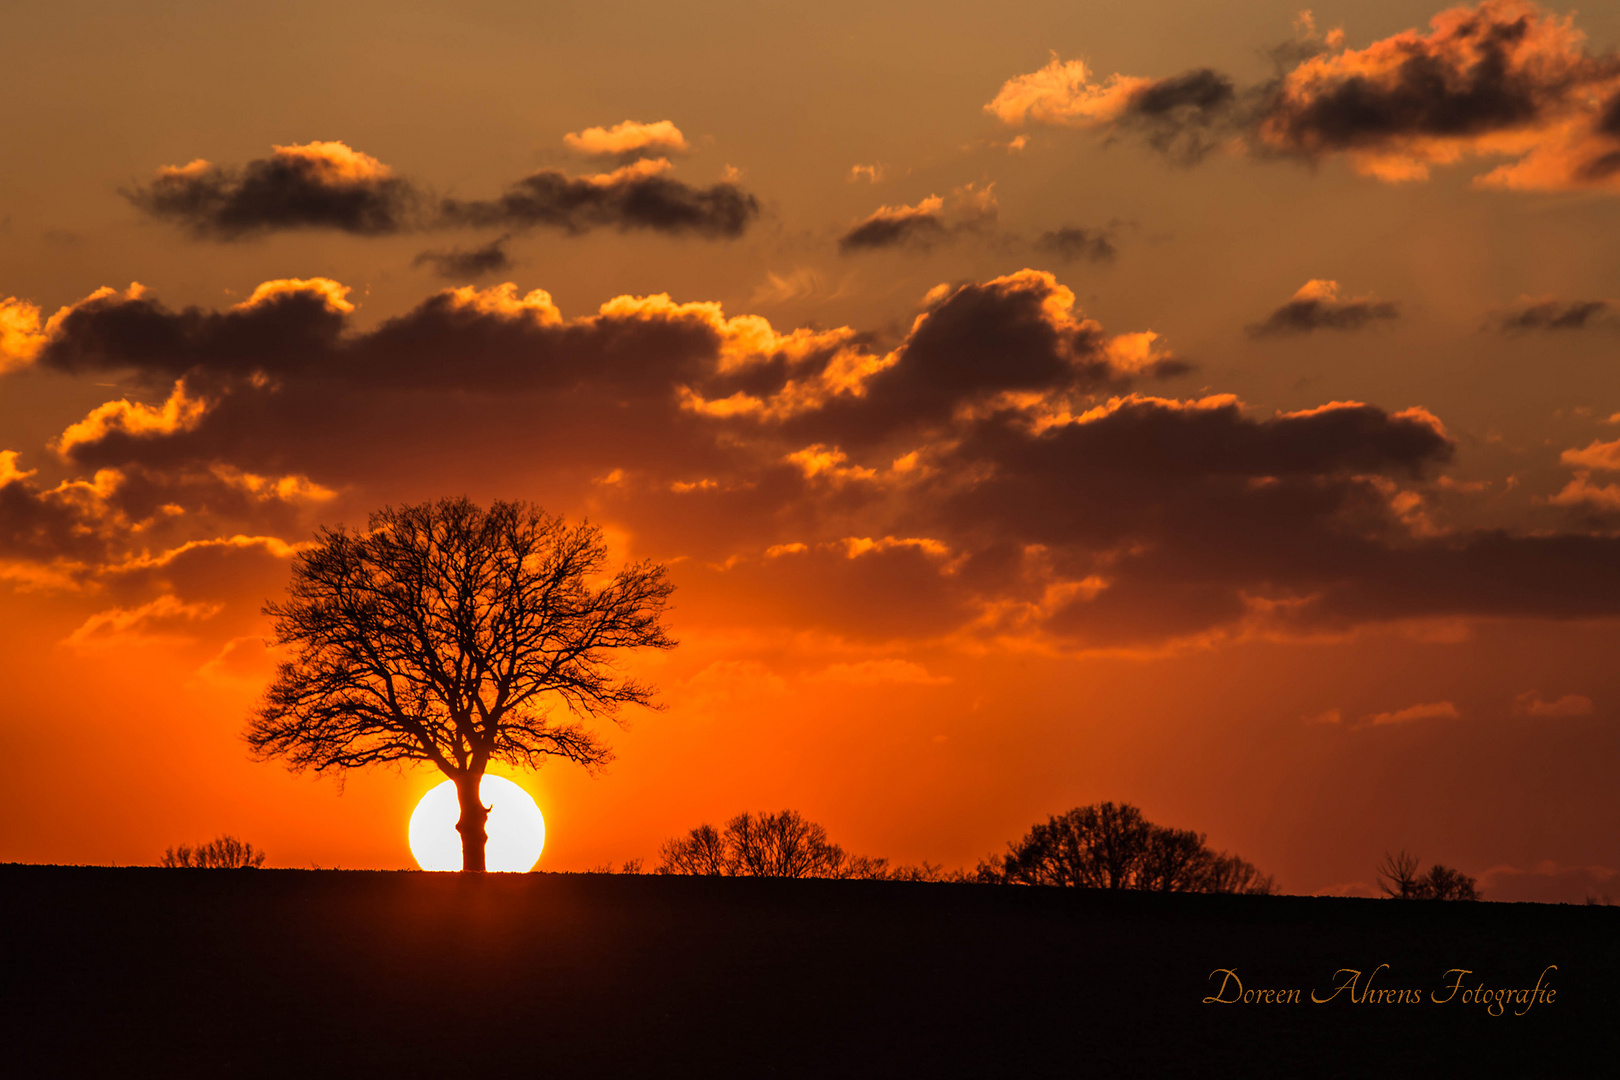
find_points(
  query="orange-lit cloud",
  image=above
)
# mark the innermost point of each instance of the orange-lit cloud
(1505, 79)
(1434, 710)
(1182, 116)
(628, 140)
(1595, 455)
(1317, 305)
(991, 477)
(159, 618)
(179, 413)
(1064, 93)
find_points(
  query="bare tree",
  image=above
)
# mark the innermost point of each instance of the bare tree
(448, 634)
(1398, 877)
(1109, 846)
(222, 853)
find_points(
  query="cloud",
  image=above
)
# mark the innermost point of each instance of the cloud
(1183, 116)
(1180, 116)
(1064, 94)
(1434, 710)
(461, 263)
(1596, 455)
(1601, 502)
(1505, 79)
(1318, 306)
(1549, 313)
(869, 173)
(318, 185)
(1529, 703)
(158, 619)
(999, 473)
(634, 196)
(328, 185)
(111, 331)
(932, 221)
(628, 140)
(1072, 244)
(134, 419)
(20, 333)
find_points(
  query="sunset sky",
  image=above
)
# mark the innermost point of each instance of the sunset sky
(1212, 407)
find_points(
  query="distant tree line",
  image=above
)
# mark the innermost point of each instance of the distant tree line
(1399, 877)
(782, 845)
(222, 853)
(1104, 846)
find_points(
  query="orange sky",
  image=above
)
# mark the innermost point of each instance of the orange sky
(1213, 410)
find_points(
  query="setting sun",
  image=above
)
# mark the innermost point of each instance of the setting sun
(517, 831)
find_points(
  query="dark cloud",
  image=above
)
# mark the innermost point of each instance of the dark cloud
(1072, 243)
(285, 324)
(320, 185)
(328, 185)
(932, 221)
(1183, 116)
(463, 263)
(1317, 306)
(1551, 314)
(907, 227)
(975, 479)
(629, 198)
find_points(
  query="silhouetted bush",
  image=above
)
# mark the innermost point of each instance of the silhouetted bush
(1399, 878)
(223, 853)
(1108, 846)
(782, 844)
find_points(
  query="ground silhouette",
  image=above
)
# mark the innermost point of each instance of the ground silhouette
(147, 972)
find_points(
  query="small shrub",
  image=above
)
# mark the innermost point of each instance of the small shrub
(223, 853)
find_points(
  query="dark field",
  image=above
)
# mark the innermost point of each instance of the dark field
(147, 972)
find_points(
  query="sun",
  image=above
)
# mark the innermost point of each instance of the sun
(517, 832)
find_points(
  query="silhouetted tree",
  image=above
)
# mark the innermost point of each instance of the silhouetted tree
(447, 633)
(1109, 846)
(1398, 877)
(782, 844)
(222, 853)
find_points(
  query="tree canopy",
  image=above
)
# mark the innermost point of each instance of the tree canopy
(449, 634)
(1109, 846)
(782, 844)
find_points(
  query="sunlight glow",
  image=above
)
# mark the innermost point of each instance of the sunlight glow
(517, 832)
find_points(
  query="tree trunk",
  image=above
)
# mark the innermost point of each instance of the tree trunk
(471, 826)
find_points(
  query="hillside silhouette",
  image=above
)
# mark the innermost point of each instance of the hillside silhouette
(148, 972)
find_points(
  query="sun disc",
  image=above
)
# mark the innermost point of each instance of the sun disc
(517, 831)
